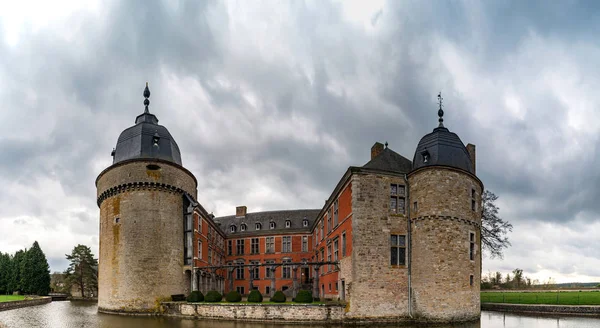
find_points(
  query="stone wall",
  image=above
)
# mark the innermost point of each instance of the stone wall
(257, 312)
(542, 308)
(25, 303)
(441, 227)
(377, 289)
(141, 237)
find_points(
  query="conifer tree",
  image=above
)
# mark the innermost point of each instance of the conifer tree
(15, 272)
(83, 270)
(4, 273)
(35, 272)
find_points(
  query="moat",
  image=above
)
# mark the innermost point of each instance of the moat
(83, 314)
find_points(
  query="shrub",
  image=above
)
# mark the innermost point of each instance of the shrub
(213, 296)
(233, 296)
(255, 296)
(304, 296)
(195, 296)
(278, 297)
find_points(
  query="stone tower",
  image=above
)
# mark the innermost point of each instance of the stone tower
(445, 219)
(145, 227)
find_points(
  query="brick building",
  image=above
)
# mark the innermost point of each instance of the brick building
(395, 239)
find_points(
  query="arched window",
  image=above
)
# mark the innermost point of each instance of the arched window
(233, 228)
(272, 225)
(288, 223)
(305, 223)
(258, 225)
(243, 227)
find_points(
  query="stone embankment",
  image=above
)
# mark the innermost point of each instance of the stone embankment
(25, 303)
(591, 310)
(257, 312)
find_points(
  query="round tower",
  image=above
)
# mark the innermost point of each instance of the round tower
(445, 219)
(144, 198)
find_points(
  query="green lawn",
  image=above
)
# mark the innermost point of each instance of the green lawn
(562, 298)
(8, 298)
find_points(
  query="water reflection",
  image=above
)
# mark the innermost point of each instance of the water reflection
(81, 314)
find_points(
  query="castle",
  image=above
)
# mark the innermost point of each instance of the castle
(395, 239)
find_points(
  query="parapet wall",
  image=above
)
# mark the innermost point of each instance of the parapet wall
(25, 303)
(257, 312)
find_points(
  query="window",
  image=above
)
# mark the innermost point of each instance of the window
(272, 225)
(344, 244)
(335, 250)
(398, 250)
(305, 243)
(268, 290)
(243, 227)
(471, 280)
(229, 247)
(335, 212)
(239, 271)
(254, 272)
(397, 198)
(254, 245)
(426, 156)
(329, 286)
(200, 225)
(258, 226)
(200, 249)
(329, 217)
(471, 246)
(473, 202)
(286, 270)
(286, 244)
(322, 229)
(269, 271)
(288, 223)
(232, 228)
(240, 246)
(210, 256)
(240, 289)
(270, 245)
(329, 258)
(415, 206)
(305, 223)
(322, 254)
(188, 251)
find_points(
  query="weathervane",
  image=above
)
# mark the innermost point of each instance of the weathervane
(441, 111)
(146, 101)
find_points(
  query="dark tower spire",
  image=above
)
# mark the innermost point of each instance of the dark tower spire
(146, 101)
(440, 111)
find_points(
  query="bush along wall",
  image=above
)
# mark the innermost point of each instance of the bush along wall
(304, 296)
(213, 296)
(195, 296)
(255, 296)
(233, 296)
(278, 297)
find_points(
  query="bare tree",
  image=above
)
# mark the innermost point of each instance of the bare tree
(493, 228)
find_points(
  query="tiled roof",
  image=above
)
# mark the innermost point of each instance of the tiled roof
(391, 161)
(296, 218)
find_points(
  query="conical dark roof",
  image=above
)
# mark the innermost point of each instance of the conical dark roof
(442, 147)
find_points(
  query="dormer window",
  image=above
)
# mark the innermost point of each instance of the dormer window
(425, 155)
(305, 223)
(258, 225)
(288, 223)
(155, 139)
(243, 227)
(233, 228)
(272, 225)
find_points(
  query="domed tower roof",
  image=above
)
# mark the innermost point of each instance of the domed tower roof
(146, 139)
(442, 147)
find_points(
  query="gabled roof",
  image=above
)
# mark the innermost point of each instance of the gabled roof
(390, 161)
(265, 218)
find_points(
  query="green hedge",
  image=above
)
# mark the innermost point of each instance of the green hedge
(195, 296)
(304, 296)
(278, 297)
(255, 296)
(213, 296)
(233, 296)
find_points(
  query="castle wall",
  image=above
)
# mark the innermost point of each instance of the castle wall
(141, 253)
(377, 288)
(441, 227)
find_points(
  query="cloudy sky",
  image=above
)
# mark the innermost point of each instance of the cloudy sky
(271, 101)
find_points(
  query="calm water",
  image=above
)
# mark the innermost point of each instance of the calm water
(81, 314)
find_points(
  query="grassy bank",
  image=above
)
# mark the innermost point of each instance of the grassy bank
(560, 298)
(8, 298)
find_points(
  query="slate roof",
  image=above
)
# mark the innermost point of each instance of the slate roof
(265, 218)
(391, 161)
(138, 141)
(444, 148)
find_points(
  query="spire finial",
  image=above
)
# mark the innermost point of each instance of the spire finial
(440, 111)
(146, 101)
(386, 144)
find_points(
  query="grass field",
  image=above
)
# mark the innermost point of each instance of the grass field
(8, 298)
(561, 298)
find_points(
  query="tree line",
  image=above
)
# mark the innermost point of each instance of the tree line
(495, 280)
(25, 272)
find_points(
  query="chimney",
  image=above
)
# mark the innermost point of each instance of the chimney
(471, 150)
(376, 149)
(240, 211)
